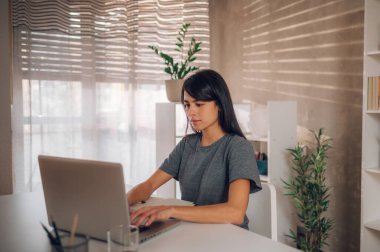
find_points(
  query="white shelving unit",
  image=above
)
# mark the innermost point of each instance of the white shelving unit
(166, 135)
(373, 53)
(281, 134)
(370, 207)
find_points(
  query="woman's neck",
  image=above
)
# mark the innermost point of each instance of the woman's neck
(209, 138)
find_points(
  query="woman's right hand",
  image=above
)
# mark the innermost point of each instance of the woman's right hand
(147, 215)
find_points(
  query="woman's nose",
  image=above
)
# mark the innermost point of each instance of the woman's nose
(190, 111)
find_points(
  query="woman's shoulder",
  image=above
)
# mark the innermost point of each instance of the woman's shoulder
(238, 147)
(236, 139)
(191, 139)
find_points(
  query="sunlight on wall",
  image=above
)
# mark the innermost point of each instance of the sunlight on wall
(302, 50)
(311, 52)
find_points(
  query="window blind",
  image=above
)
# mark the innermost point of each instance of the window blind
(110, 37)
(85, 82)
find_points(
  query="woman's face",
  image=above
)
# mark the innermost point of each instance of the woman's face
(203, 115)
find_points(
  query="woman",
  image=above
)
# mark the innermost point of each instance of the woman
(215, 166)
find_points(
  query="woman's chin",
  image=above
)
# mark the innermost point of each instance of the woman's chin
(197, 129)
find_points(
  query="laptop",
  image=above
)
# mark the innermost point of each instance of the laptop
(93, 189)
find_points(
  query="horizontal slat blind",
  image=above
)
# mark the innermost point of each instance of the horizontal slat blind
(73, 39)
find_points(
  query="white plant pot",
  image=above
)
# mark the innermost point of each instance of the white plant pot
(173, 90)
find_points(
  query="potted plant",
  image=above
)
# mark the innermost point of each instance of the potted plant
(310, 193)
(178, 70)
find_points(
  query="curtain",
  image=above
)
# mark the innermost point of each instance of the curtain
(85, 83)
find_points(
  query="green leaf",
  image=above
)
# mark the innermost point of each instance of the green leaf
(175, 68)
(168, 70)
(154, 48)
(181, 71)
(167, 58)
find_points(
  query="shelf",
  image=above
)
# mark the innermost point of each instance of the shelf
(375, 170)
(257, 139)
(373, 53)
(264, 178)
(374, 225)
(373, 111)
(370, 206)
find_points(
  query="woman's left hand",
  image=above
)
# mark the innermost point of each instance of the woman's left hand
(147, 215)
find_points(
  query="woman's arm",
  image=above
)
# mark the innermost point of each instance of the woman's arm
(142, 191)
(233, 211)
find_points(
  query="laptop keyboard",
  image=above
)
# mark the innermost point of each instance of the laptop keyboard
(143, 228)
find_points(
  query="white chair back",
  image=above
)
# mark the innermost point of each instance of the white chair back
(262, 212)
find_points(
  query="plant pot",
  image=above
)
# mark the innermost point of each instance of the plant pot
(174, 89)
(301, 233)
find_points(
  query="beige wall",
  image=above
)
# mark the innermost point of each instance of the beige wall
(6, 185)
(311, 52)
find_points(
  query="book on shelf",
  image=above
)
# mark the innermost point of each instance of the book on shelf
(369, 93)
(373, 93)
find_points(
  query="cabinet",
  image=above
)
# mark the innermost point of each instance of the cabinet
(281, 133)
(370, 206)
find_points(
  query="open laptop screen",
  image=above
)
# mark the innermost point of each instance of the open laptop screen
(93, 189)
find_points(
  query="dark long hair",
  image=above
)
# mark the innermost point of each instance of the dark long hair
(208, 85)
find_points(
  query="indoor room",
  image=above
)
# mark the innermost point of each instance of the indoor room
(126, 85)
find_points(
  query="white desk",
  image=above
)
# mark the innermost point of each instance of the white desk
(20, 230)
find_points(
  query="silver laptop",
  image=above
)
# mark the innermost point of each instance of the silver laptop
(93, 189)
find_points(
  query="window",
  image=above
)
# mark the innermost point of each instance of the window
(85, 83)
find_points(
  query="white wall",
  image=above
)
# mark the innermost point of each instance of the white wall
(6, 178)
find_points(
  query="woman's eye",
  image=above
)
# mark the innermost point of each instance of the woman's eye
(199, 104)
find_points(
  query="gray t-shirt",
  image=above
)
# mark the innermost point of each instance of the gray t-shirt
(204, 173)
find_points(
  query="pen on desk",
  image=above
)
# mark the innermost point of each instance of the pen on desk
(58, 239)
(55, 241)
(51, 237)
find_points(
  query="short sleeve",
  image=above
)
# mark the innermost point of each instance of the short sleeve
(172, 163)
(242, 164)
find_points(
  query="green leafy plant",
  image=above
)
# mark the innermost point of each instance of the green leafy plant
(178, 70)
(310, 193)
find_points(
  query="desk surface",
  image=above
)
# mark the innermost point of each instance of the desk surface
(20, 230)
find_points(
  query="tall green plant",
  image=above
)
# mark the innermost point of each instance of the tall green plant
(178, 70)
(310, 193)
